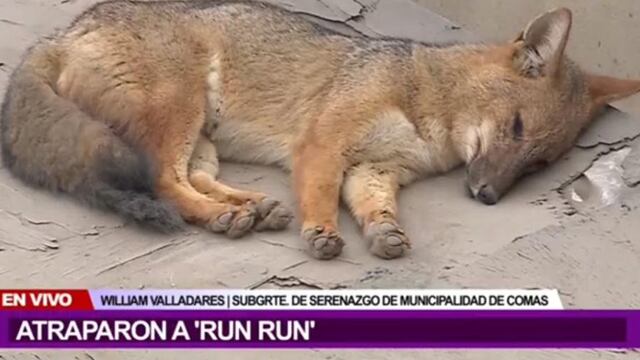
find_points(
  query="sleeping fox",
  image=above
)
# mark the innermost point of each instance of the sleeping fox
(132, 105)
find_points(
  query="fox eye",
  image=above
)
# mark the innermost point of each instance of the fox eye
(518, 127)
(536, 166)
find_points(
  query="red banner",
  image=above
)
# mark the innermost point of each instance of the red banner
(35, 299)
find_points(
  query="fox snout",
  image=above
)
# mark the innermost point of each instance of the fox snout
(487, 181)
(484, 193)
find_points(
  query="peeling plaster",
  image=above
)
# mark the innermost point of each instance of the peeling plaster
(601, 185)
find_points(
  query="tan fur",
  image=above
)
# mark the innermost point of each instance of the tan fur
(350, 117)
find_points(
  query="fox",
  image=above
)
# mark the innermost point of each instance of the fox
(131, 107)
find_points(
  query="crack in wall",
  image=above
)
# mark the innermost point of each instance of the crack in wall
(624, 141)
(288, 282)
(340, 23)
(345, 24)
(364, 10)
(145, 254)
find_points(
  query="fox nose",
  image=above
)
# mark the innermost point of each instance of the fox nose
(487, 195)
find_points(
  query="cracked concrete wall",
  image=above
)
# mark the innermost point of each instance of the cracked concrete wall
(603, 33)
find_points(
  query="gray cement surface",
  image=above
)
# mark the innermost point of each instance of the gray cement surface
(539, 236)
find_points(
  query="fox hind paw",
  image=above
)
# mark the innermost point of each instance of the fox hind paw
(272, 215)
(234, 223)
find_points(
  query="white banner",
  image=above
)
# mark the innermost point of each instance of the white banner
(396, 299)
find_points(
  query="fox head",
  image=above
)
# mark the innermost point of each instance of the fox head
(526, 106)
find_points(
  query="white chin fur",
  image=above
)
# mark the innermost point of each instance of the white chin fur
(472, 143)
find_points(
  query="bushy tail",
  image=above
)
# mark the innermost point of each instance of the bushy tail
(48, 141)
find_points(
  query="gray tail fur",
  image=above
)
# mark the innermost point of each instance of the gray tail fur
(48, 141)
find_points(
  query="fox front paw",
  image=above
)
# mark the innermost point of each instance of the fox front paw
(387, 239)
(324, 244)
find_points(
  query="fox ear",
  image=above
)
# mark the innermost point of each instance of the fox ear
(605, 89)
(541, 44)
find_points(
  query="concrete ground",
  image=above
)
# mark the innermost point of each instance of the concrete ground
(552, 231)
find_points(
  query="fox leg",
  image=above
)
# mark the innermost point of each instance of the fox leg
(168, 131)
(317, 176)
(204, 157)
(370, 192)
(203, 169)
